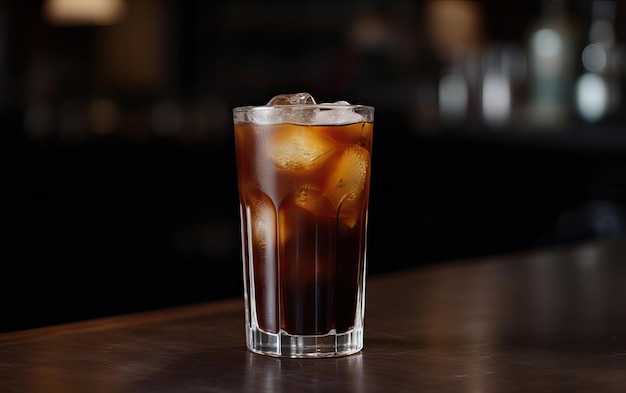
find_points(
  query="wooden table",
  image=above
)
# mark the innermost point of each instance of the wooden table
(552, 320)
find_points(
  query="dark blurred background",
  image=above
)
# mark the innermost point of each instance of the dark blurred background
(500, 127)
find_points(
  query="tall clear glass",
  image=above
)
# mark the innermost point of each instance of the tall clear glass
(304, 177)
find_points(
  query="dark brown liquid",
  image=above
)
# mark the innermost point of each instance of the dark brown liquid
(304, 224)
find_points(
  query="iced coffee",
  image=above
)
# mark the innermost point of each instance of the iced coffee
(304, 177)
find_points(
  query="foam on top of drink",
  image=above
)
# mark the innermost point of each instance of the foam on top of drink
(281, 109)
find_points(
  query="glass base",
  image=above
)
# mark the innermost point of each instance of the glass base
(294, 346)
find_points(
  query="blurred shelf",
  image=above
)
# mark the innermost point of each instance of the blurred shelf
(582, 138)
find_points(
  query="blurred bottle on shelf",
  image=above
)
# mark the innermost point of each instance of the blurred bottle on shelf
(453, 97)
(457, 36)
(503, 78)
(597, 93)
(553, 43)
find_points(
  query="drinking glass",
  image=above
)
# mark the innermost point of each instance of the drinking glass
(303, 174)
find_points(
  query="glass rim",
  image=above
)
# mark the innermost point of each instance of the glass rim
(249, 108)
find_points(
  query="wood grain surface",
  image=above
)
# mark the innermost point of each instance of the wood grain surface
(550, 320)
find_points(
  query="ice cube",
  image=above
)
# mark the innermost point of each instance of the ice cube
(298, 148)
(347, 180)
(278, 111)
(284, 114)
(335, 113)
(336, 103)
(263, 216)
(298, 205)
(292, 99)
(313, 200)
(349, 214)
(285, 109)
